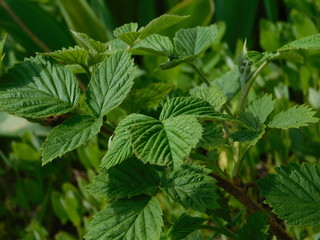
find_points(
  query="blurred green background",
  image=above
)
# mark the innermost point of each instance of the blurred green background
(50, 202)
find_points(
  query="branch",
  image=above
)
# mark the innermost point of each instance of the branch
(251, 206)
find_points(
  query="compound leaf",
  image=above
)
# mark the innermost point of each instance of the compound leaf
(154, 44)
(130, 178)
(294, 117)
(159, 24)
(135, 218)
(294, 193)
(69, 135)
(190, 106)
(111, 82)
(193, 41)
(38, 88)
(166, 142)
(191, 186)
(212, 95)
(256, 228)
(184, 226)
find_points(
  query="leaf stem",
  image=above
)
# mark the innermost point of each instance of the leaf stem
(251, 206)
(248, 86)
(238, 165)
(200, 73)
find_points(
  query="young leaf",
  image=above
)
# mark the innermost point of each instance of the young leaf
(256, 228)
(229, 83)
(148, 97)
(154, 44)
(72, 55)
(258, 111)
(120, 148)
(159, 24)
(184, 226)
(89, 43)
(191, 186)
(193, 41)
(294, 194)
(212, 95)
(190, 106)
(126, 28)
(111, 81)
(307, 43)
(38, 88)
(69, 135)
(166, 142)
(135, 218)
(130, 178)
(295, 117)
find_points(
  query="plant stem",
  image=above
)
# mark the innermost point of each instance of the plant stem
(238, 165)
(248, 86)
(201, 74)
(108, 126)
(251, 206)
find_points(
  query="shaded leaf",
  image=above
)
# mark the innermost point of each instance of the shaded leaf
(256, 228)
(250, 136)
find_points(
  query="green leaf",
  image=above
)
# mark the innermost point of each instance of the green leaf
(190, 106)
(90, 44)
(72, 55)
(191, 186)
(257, 112)
(184, 226)
(166, 142)
(212, 136)
(292, 56)
(139, 219)
(256, 228)
(193, 41)
(212, 95)
(154, 44)
(148, 97)
(126, 28)
(294, 194)
(38, 88)
(69, 135)
(120, 148)
(111, 81)
(130, 178)
(307, 43)
(295, 117)
(229, 83)
(250, 136)
(175, 62)
(255, 57)
(159, 24)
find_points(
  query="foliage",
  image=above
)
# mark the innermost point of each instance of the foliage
(155, 129)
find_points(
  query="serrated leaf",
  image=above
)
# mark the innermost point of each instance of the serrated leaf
(38, 88)
(120, 148)
(294, 194)
(184, 226)
(255, 57)
(71, 55)
(191, 186)
(130, 38)
(165, 142)
(190, 106)
(89, 43)
(193, 41)
(212, 95)
(126, 28)
(130, 178)
(69, 135)
(257, 112)
(294, 117)
(293, 56)
(212, 136)
(250, 136)
(256, 228)
(154, 44)
(159, 24)
(307, 43)
(229, 83)
(139, 219)
(111, 81)
(175, 62)
(148, 97)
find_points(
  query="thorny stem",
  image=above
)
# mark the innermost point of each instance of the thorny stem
(251, 206)
(23, 26)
